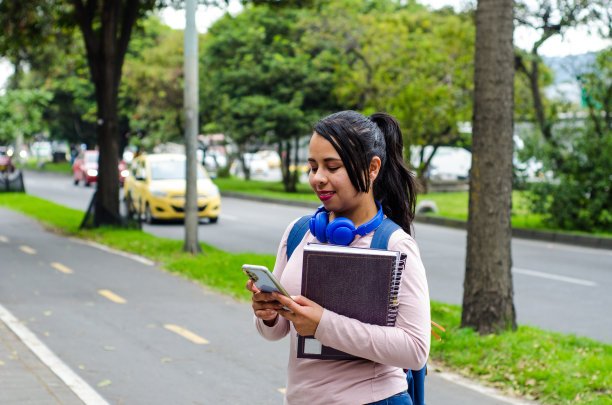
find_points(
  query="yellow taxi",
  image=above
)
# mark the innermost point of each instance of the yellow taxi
(156, 188)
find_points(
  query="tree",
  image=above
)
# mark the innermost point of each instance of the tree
(581, 184)
(488, 305)
(403, 59)
(106, 26)
(268, 89)
(21, 114)
(107, 29)
(550, 18)
(151, 92)
(28, 26)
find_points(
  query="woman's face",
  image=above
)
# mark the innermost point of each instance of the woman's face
(329, 178)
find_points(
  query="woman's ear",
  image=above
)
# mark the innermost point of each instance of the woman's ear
(374, 168)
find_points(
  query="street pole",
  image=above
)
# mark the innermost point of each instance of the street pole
(190, 55)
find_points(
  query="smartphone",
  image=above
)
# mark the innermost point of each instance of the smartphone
(264, 279)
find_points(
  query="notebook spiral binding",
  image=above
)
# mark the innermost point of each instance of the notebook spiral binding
(394, 290)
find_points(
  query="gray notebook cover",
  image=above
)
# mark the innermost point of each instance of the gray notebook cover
(358, 283)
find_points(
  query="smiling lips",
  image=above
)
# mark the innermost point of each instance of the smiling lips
(325, 195)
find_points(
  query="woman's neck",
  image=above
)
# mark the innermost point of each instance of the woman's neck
(361, 214)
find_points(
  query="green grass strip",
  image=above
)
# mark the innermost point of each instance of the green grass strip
(552, 368)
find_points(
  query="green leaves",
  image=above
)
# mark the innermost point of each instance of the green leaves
(21, 113)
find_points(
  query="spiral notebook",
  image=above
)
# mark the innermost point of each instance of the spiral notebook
(359, 283)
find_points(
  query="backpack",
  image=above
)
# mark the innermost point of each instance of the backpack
(380, 240)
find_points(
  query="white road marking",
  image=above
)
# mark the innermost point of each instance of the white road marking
(61, 267)
(72, 380)
(229, 217)
(564, 247)
(187, 334)
(467, 383)
(137, 258)
(555, 277)
(3, 239)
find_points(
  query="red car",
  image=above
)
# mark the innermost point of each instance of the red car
(85, 168)
(6, 166)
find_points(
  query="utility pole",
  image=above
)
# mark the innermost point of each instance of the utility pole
(190, 55)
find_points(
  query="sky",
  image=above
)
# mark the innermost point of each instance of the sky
(576, 41)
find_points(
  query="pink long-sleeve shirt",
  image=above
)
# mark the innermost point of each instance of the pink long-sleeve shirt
(388, 350)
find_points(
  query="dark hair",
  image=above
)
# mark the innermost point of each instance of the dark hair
(357, 139)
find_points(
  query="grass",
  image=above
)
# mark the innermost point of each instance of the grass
(266, 189)
(34, 164)
(552, 368)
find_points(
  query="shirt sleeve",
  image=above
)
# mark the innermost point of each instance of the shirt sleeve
(405, 345)
(281, 327)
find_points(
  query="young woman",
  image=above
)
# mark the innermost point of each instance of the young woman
(354, 161)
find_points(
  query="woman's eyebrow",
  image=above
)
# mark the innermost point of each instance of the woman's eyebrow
(329, 159)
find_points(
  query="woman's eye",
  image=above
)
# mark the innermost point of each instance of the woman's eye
(333, 169)
(313, 169)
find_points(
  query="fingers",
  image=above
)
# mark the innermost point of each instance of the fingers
(266, 314)
(286, 302)
(302, 312)
(295, 301)
(300, 299)
(251, 287)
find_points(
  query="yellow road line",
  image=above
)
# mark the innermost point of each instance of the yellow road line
(61, 267)
(3, 239)
(187, 334)
(282, 390)
(112, 296)
(27, 249)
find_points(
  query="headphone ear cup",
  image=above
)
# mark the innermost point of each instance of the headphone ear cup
(317, 225)
(340, 231)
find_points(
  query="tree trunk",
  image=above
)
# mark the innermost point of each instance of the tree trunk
(107, 195)
(488, 305)
(106, 29)
(245, 167)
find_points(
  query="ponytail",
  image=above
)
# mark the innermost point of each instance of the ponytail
(395, 186)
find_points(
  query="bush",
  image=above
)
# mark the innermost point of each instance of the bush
(580, 197)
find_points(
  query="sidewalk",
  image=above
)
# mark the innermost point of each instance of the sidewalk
(24, 379)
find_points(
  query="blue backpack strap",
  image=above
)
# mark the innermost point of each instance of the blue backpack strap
(380, 240)
(415, 378)
(418, 385)
(296, 234)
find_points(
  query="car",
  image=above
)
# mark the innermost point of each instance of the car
(85, 168)
(156, 187)
(6, 165)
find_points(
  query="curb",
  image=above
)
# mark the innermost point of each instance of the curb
(534, 234)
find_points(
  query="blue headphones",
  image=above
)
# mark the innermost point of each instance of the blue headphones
(340, 231)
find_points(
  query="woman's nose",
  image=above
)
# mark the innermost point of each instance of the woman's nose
(319, 177)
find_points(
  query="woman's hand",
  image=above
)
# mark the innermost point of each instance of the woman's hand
(304, 313)
(265, 305)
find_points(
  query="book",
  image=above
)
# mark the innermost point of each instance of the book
(359, 283)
